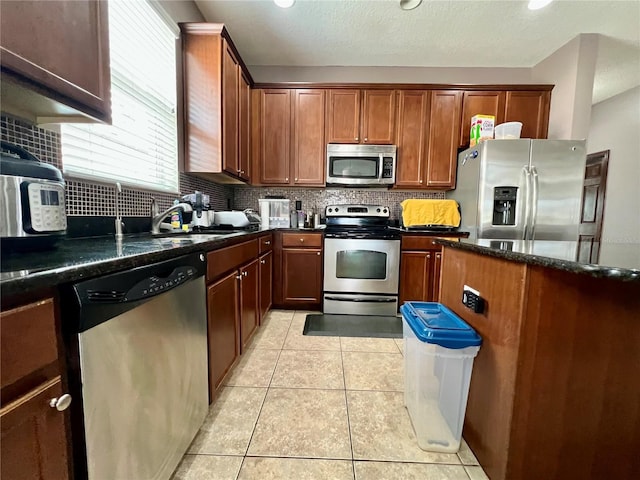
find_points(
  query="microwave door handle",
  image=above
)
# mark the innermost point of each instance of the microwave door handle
(380, 164)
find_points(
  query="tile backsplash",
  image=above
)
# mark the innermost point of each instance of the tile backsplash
(87, 198)
(317, 199)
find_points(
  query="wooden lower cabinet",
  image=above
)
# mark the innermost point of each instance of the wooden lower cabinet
(416, 277)
(420, 262)
(302, 276)
(34, 443)
(223, 328)
(266, 290)
(249, 314)
(34, 440)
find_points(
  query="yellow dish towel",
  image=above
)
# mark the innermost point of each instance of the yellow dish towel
(430, 212)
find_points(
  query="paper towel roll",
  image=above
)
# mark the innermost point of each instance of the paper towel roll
(264, 214)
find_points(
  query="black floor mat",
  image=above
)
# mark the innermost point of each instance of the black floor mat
(353, 326)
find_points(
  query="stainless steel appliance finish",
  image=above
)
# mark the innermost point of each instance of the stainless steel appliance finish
(33, 198)
(361, 261)
(143, 364)
(521, 189)
(361, 165)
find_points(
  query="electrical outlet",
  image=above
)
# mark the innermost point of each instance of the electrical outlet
(471, 299)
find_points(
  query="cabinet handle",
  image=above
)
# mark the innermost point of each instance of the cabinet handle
(286, 179)
(263, 262)
(61, 403)
(420, 181)
(428, 255)
(438, 255)
(357, 139)
(268, 242)
(365, 139)
(242, 171)
(295, 179)
(245, 274)
(302, 240)
(238, 277)
(318, 253)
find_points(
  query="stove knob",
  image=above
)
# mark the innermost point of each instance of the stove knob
(330, 210)
(384, 210)
(378, 210)
(336, 209)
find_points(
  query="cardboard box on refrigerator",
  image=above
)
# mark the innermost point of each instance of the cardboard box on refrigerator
(481, 129)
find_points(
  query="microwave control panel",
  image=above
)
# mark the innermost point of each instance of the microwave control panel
(387, 167)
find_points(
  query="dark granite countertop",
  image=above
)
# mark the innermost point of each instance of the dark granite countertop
(81, 258)
(610, 260)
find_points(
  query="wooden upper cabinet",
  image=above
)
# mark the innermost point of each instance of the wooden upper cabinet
(532, 109)
(216, 91)
(230, 111)
(275, 134)
(411, 137)
(244, 129)
(378, 117)
(480, 103)
(343, 116)
(308, 145)
(62, 49)
(444, 135)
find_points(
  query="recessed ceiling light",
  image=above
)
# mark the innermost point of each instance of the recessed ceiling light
(409, 4)
(538, 4)
(284, 3)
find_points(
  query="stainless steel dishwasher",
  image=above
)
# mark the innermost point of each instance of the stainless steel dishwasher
(142, 348)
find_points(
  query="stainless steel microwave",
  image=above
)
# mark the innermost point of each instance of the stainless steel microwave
(361, 165)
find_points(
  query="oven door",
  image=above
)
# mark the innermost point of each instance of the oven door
(361, 265)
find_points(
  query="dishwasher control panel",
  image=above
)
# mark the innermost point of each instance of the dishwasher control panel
(154, 285)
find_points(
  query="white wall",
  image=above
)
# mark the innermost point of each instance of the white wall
(571, 69)
(182, 10)
(270, 74)
(615, 126)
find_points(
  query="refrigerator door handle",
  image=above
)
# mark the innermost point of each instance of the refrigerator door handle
(527, 201)
(534, 202)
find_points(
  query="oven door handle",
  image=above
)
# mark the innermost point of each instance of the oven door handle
(362, 299)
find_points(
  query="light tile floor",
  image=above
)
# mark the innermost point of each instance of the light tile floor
(308, 407)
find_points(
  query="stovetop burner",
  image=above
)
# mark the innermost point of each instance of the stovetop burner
(359, 221)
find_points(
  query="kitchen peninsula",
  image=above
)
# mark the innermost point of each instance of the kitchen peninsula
(556, 379)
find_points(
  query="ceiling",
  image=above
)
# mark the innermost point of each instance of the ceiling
(454, 33)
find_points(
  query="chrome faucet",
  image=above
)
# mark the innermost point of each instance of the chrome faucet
(156, 218)
(119, 224)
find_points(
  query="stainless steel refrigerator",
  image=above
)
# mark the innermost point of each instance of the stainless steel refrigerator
(521, 189)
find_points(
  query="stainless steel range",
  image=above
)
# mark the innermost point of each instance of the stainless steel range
(361, 261)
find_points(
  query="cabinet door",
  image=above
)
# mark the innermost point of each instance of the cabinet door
(249, 315)
(244, 128)
(435, 277)
(230, 111)
(302, 275)
(266, 287)
(223, 328)
(444, 134)
(62, 46)
(378, 117)
(411, 138)
(308, 145)
(34, 440)
(275, 138)
(480, 103)
(415, 276)
(530, 108)
(343, 116)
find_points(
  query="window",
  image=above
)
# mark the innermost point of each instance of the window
(140, 148)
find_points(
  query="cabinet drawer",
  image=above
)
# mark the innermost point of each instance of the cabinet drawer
(302, 240)
(226, 259)
(419, 243)
(28, 340)
(266, 243)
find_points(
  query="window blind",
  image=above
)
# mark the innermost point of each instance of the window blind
(140, 148)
